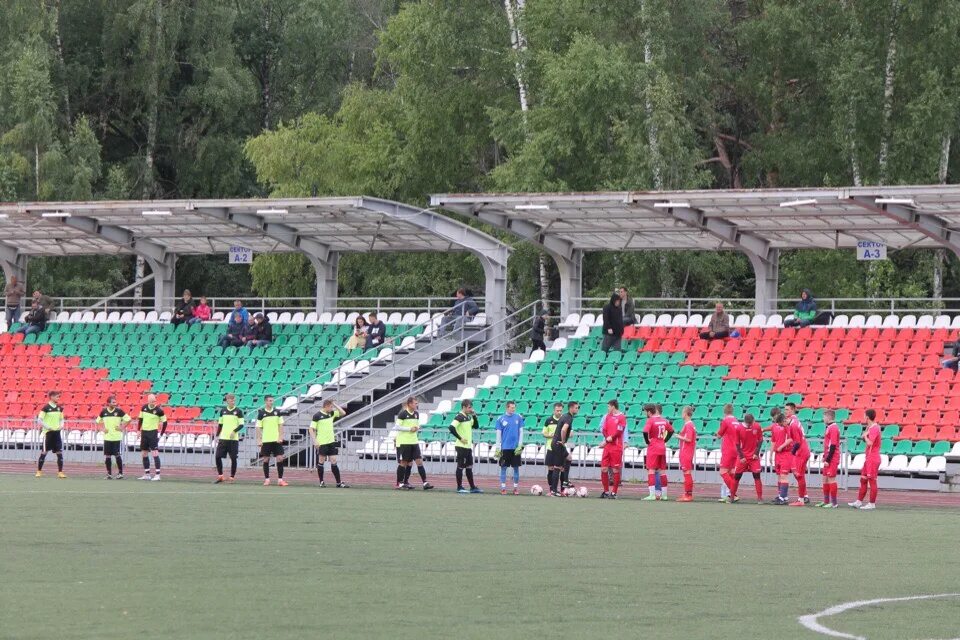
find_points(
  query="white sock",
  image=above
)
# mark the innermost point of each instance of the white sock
(653, 491)
(663, 492)
(724, 491)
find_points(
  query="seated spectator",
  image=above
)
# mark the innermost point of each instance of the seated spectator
(612, 325)
(183, 312)
(201, 312)
(43, 300)
(359, 337)
(539, 330)
(13, 293)
(805, 313)
(464, 308)
(376, 332)
(953, 362)
(719, 325)
(235, 330)
(629, 310)
(238, 308)
(261, 332)
(35, 322)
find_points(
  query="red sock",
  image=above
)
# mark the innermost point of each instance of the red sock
(802, 485)
(605, 481)
(736, 486)
(833, 492)
(873, 490)
(826, 492)
(728, 480)
(663, 479)
(863, 489)
(652, 479)
(758, 484)
(688, 483)
(616, 481)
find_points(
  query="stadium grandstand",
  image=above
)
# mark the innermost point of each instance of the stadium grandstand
(110, 349)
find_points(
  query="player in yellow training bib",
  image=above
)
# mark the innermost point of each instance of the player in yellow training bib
(112, 420)
(50, 420)
(228, 436)
(270, 439)
(321, 430)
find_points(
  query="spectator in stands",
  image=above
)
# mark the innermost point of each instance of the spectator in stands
(35, 322)
(359, 337)
(43, 300)
(464, 309)
(612, 325)
(805, 313)
(239, 308)
(539, 330)
(235, 331)
(376, 332)
(13, 293)
(719, 325)
(183, 312)
(629, 311)
(953, 361)
(201, 312)
(261, 332)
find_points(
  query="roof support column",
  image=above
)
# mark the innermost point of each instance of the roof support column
(767, 273)
(14, 264)
(164, 281)
(328, 272)
(495, 292)
(571, 281)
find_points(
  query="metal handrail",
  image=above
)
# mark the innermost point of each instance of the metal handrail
(784, 306)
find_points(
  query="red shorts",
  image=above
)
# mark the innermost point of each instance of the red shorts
(656, 461)
(870, 469)
(800, 461)
(686, 463)
(728, 460)
(783, 463)
(830, 470)
(612, 457)
(750, 466)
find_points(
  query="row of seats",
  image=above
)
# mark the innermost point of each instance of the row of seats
(285, 317)
(773, 321)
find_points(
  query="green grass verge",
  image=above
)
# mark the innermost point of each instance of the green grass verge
(97, 559)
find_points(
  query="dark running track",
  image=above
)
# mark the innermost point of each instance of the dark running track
(704, 492)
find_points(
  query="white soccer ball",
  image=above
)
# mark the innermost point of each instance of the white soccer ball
(536, 490)
(570, 492)
(583, 492)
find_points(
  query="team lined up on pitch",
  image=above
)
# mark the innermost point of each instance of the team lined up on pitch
(742, 442)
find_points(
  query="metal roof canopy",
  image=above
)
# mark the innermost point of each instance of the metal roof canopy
(756, 222)
(320, 228)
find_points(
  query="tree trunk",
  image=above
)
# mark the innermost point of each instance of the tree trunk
(544, 280)
(60, 60)
(519, 44)
(266, 71)
(653, 137)
(940, 255)
(36, 168)
(889, 75)
(851, 123)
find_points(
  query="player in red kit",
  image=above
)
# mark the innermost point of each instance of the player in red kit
(782, 447)
(727, 433)
(749, 441)
(688, 446)
(871, 466)
(656, 432)
(611, 463)
(831, 461)
(801, 454)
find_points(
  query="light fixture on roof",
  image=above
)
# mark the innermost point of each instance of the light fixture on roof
(909, 202)
(55, 214)
(798, 203)
(156, 212)
(532, 207)
(272, 212)
(671, 205)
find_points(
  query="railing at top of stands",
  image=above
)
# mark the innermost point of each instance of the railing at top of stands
(785, 306)
(224, 304)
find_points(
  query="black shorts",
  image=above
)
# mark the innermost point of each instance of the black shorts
(510, 458)
(330, 449)
(464, 457)
(228, 448)
(409, 452)
(52, 442)
(112, 447)
(268, 449)
(557, 456)
(149, 440)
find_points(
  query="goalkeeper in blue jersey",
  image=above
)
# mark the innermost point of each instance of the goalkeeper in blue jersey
(509, 445)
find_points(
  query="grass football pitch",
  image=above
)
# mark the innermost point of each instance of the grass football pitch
(85, 558)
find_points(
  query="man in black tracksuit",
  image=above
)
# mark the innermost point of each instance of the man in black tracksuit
(612, 325)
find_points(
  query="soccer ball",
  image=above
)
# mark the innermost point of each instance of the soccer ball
(570, 492)
(536, 490)
(583, 492)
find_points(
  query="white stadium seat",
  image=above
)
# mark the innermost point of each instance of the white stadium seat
(571, 321)
(559, 343)
(338, 318)
(311, 318)
(857, 463)
(956, 322)
(898, 464)
(840, 321)
(582, 331)
(679, 320)
(648, 320)
(290, 402)
(283, 318)
(351, 318)
(891, 322)
(536, 356)
(394, 318)
(469, 393)
(362, 368)
(874, 322)
(101, 316)
(759, 320)
(164, 317)
(217, 316)
(917, 464)
(664, 320)
(76, 316)
(857, 321)
(908, 321)
(325, 318)
(937, 464)
(942, 322)
(298, 318)
(776, 320)
(587, 320)
(742, 320)
(126, 316)
(385, 356)
(514, 368)
(444, 406)
(925, 321)
(491, 380)
(409, 318)
(696, 320)
(955, 451)
(422, 318)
